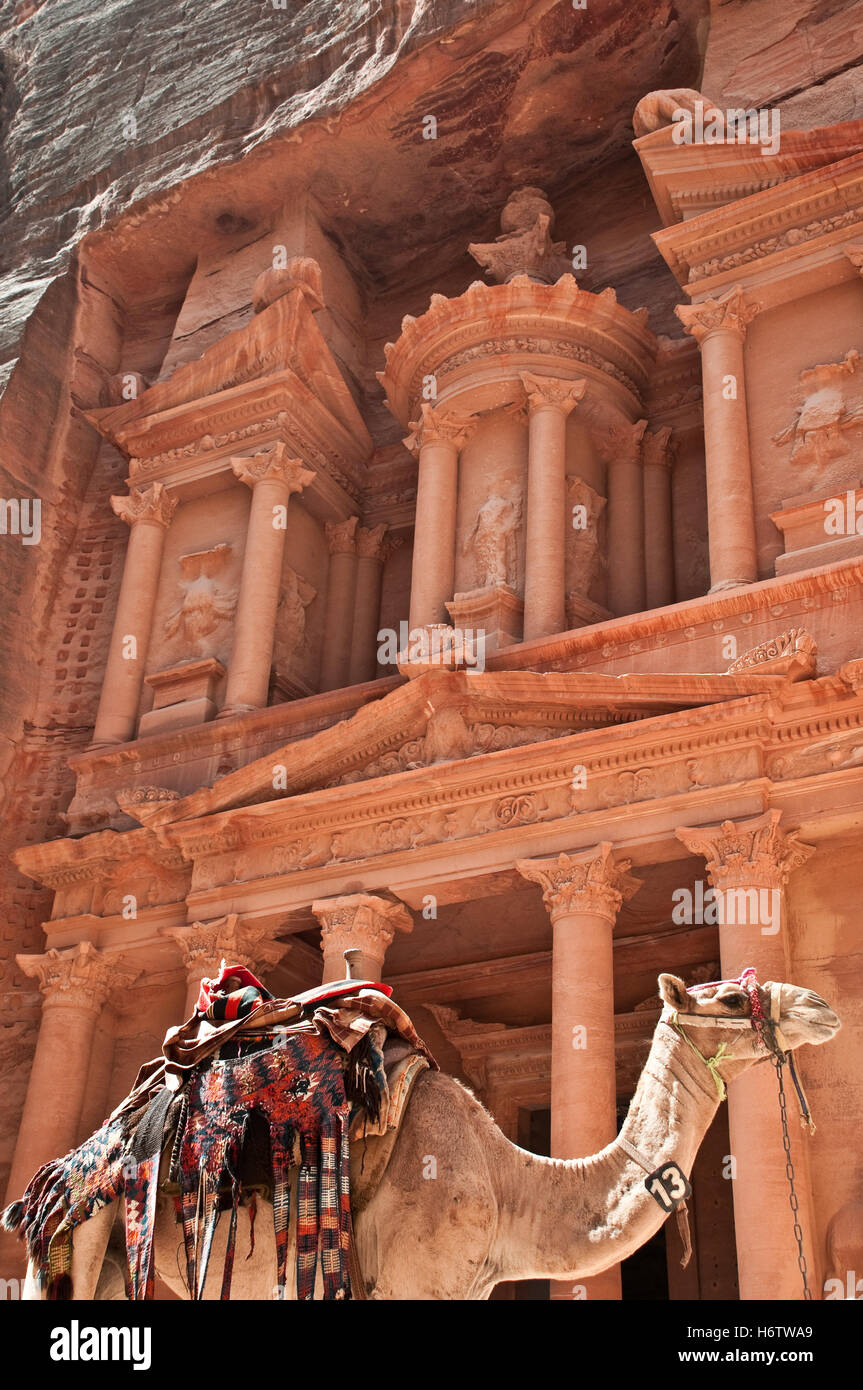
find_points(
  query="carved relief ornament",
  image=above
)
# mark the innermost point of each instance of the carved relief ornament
(273, 465)
(742, 853)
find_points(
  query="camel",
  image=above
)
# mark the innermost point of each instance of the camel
(459, 1208)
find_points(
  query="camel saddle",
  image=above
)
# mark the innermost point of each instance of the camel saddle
(232, 1109)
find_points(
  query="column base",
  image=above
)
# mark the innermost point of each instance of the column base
(724, 584)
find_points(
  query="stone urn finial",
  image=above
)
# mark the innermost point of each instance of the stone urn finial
(525, 246)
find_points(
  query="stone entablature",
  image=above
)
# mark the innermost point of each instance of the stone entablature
(655, 775)
(690, 179)
(490, 335)
(790, 238)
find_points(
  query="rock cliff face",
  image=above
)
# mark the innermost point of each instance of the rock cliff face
(145, 143)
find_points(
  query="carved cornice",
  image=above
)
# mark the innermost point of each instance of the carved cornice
(531, 321)
(81, 978)
(732, 312)
(273, 466)
(747, 853)
(146, 506)
(589, 882)
(544, 391)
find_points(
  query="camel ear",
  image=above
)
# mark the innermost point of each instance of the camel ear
(673, 992)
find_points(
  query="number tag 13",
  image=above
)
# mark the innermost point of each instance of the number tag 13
(668, 1186)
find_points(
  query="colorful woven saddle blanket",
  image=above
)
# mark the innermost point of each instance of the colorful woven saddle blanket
(295, 1083)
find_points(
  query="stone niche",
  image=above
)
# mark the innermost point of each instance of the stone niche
(480, 370)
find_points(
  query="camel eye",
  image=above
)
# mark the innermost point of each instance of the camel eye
(735, 1000)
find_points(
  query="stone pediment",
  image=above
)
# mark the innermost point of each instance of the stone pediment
(687, 179)
(277, 363)
(447, 716)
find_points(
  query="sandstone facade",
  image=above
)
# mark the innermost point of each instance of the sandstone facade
(451, 547)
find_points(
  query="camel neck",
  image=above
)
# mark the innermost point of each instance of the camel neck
(571, 1218)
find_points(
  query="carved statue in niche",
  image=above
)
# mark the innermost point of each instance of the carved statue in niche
(493, 540)
(295, 598)
(204, 605)
(816, 429)
(585, 561)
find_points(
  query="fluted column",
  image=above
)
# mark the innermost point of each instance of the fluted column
(147, 512)
(621, 448)
(273, 477)
(657, 459)
(436, 438)
(362, 922)
(204, 945)
(341, 594)
(719, 327)
(373, 546)
(583, 893)
(748, 864)
(550, 401)
(74, 985)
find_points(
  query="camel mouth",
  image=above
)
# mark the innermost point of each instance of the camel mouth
(821, 1026)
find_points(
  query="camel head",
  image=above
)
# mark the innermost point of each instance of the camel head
(779, 1016)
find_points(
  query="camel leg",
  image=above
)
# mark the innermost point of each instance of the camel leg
(88, 1252)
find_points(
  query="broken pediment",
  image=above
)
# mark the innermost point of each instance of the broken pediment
(689, 176)
(445, 716)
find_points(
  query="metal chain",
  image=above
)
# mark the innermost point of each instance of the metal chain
(779, 1062)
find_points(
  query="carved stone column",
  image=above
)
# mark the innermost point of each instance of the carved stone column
(657, 457)
(550, 401)
(204, 945)
(361, 922)
(74, 985)
(719, 327)
(273, 478)
(621, 448)
(341, 592)
(748, 864)
(148, 513)
(373, 546)
(583, 893)
(436, 439)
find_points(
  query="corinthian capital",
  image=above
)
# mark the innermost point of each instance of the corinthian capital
(148, 504)
(657, 450)
(747, 853)
(552, 391)
(203, 945)
(436, 426)
(341, 538)
(274, 465)
(591, 882)
(80, 978)
(372, 543)
(620, 442)
(362, 921)
(731, 313)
